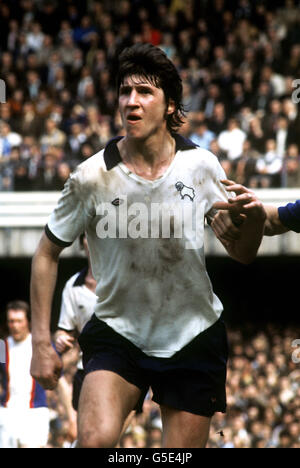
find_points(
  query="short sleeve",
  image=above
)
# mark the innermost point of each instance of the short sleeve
(289, 216)
(68, 219)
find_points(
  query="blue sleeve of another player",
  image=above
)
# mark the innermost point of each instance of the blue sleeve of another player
(289, 216)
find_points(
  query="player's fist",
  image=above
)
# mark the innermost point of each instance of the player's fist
(46, 365)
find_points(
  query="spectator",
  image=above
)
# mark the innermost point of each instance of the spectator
(84, 33)
(63, 173)
(67, 50)
(86, 79)
(24, 416)
(284, 136)
(202, 136)
(43, 104)
(263, 97)
(47, 177)
(256, 135)
(30, 124)
(246, 166)
(75, 141)
(167, 45)
(291, 169)
(45, 52)
(53, 136)
(218, 121)
(239, 97)
(35, 37)
(8, 139)
(209, 103)
(6, 115)
(21, 180)
(232, 140)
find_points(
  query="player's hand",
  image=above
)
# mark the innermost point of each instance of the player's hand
(227, 222)
(72, 429)
(46, 365)
(64, 342)
(245, 203)
(224, 228)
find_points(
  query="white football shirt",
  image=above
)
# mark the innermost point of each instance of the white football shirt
(77, 306)
(146, 243)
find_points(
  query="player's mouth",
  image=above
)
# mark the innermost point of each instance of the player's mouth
(133, 118)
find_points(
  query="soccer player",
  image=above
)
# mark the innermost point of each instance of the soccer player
(143, 201)
(78, 303)
(24, 416)
(226, 224)
(77, 307)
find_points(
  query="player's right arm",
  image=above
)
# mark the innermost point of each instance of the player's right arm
(45, 365)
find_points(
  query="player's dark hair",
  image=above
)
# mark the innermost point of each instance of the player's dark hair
(19, 305)
(152, 64)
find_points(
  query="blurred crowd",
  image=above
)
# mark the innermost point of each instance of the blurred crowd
(239, 62)
(263, 393)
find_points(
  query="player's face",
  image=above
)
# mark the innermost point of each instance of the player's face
(18, 325)
(143, 107)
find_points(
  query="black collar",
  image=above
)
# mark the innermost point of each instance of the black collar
(80, 280)
(112, 155)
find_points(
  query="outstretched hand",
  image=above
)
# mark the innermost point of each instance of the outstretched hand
(245, 199)
(232, 214)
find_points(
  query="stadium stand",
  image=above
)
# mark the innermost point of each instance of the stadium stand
(239, 62)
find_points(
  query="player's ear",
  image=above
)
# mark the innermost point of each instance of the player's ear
(171, 107)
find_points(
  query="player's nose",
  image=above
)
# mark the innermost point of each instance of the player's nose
(133, 98)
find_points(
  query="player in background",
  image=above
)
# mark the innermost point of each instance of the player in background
(229, 220)
(157, 321)
(77, 307)
(24, 415)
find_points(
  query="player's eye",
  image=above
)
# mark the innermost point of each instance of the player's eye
(145, 91)
(125, 91)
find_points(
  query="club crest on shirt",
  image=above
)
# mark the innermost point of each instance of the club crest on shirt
(185, 191)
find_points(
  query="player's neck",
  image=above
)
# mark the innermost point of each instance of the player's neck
(148, 157)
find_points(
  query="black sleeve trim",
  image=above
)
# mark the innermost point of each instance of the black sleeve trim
(55, 239)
